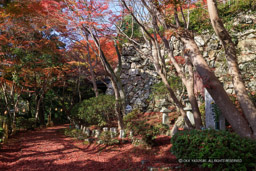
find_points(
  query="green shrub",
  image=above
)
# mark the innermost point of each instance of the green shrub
(21, 122)
(27, 124)
(134, 123)
(31, 123)
(95, 111)
(159, 89)
(202, 111)
(72, 132)
(1, 134)
(212, 144)
(67, 132)
(75, 133)
(160, 128)
(131, 28)
(199, 20)
(105, 138)
(139, 127)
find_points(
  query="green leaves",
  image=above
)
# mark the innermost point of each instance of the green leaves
(212, 144)
(96, 110)
(160, 89)
(1, 133)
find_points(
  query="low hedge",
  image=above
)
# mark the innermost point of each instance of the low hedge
(214, 149)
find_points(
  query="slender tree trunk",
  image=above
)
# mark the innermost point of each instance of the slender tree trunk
(79, 83)
(16, 109)
(38, 101)
(214, 86)
(95, 88)
(117, 86)
(6, 130)
(14, 119)
(29, 108)
(7, 120)
(176, 101)
(210, 81)
(192, 97)
(118, 106)
(188, 82)
(176, 16)
(160, 72)
(41, 111)
(183, 16)
(242, 95)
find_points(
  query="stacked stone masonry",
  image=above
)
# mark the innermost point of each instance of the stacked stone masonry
(138, 74)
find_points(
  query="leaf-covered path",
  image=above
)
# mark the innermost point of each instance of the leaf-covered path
(48, 149)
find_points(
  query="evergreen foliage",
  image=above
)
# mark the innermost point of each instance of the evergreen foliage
(95, 111)
(212, 144)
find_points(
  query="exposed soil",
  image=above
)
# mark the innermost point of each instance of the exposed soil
(49, 150)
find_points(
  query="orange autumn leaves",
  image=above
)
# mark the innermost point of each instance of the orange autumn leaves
(107, 46)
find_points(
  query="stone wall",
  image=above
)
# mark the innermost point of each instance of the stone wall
(138, 72)
(214, 53)
(137, 76)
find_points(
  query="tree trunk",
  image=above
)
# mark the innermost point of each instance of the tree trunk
(95, 88)
(41, 112)
(242, 95)
(176, 101)
(6, 131)
(38, 101)
(14, 120)
(79, 83)
(118, 106)
(192, 98)
(29, 107)
(161, 73)
(214, 86)
(115, 79)
(176, 16)
(188, 82)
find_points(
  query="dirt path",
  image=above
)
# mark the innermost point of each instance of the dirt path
(49, 150)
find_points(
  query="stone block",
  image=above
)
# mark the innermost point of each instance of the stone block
(165, 110)
(133, 72)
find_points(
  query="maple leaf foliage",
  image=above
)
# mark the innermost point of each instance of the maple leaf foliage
(26, 36)
(92, 15)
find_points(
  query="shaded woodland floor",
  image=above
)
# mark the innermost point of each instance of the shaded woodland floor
(48, 149)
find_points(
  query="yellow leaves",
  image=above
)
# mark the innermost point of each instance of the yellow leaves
(76, 63)
(4, 15)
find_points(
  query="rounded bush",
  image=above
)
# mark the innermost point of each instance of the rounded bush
(95, 111)
(215, 149)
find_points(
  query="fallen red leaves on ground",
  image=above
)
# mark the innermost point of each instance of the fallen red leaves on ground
(48, 149)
